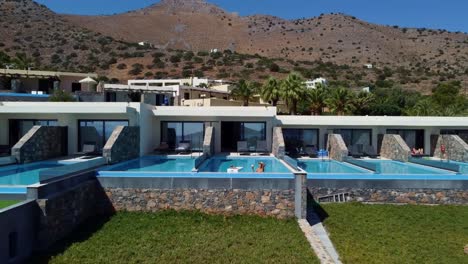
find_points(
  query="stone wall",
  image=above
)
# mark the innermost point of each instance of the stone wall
(407, 196)
(41, 143)
(61, 213)
(395, 148)
(123, 144)
(278, 146)
(455, 148)
(208, 142)
(275, 203)
(336, 146)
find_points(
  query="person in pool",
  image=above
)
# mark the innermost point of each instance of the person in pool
(261, 167)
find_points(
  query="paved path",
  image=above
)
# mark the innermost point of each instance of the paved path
(319, 240)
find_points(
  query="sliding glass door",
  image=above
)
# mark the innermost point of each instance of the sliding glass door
(351, 137)
(96, 132)
(174, 133)
(19, 127)
(295, 139)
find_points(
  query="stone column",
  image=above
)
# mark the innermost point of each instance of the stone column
(337, 147)
(300, 195)
(395, 148)
(278, 146)
(208, 142)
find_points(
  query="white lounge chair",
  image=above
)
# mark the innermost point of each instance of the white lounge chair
(242, 147)
(262, 147)
(184, 147)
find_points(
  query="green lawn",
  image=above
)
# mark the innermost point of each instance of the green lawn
(4, 204)
(398, 234)
(186, 237)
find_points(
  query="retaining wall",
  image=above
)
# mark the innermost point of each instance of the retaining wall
(123, 144)
(41, 143)
(455, 148)
(406, 196)
(395, 148)
(337, 147)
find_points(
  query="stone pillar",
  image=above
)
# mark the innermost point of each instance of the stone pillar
(337, 147)
(41, 143)
(455, 148)
(278, 146)
(208, 142)
(123, 144)
(300, 195)
(395, 148)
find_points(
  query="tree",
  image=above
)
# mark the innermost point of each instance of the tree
(244, 91)
(317, 99)
(362, 102)
(292, 90)
(271, 91)
(422, 108)
(60, 95)
(340, 101)
(22, 61)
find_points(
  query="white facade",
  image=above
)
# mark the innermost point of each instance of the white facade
(312, 84)
(368, 66)
(150, 118)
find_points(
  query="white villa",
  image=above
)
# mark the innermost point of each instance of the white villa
(231, 124)
(312, 84)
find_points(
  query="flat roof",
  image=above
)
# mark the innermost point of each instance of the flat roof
(216, 111)
(31, 73)
(66, 107)
(363, 121)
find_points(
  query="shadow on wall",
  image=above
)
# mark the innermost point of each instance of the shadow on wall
(315, 213)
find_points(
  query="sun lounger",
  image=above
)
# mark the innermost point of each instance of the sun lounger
(184, 147)
(89, 149)
(242, 148)
(311, 151)
(262, 147)
(369, 151)
(162, 148)
(354, 151)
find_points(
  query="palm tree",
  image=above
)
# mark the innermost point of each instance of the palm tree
(362, 102)
(317, 99)
(271, 91)
(422, 108)
(244, 91)
(22, 61)
(293, 90)
(340, 101)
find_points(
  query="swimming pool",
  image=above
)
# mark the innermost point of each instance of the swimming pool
(155, 164)
(405, 168)
(223, 163)
(329, 166)
(22, 175)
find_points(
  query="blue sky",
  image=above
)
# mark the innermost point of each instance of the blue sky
(448, 14)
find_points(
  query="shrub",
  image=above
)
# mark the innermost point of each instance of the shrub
(122, 66)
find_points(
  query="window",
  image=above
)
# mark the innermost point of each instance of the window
(76, 87)
(19, 127)
(232, 132)
(186, 96)
(97, 132)
(176, 132)
(414, 138)
(111, 97)
(462, 133)
(355, 136)
(300, 138)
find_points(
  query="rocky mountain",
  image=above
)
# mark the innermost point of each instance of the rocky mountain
(181, 32)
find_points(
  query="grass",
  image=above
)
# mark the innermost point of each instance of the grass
(4, 204)
(184, 237)
(398, 234)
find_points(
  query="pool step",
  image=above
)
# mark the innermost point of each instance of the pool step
(334, 198)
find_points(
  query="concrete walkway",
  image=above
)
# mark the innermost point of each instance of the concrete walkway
(319, 240)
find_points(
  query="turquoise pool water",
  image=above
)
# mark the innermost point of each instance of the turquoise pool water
(329, 166)
(222, 164)
(155, 164)
(24, 174)
(397, 167)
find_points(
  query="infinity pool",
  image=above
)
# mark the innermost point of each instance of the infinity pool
(222, 164)
(329, 166)
(24, 174)
(155, 164)
(397, 167)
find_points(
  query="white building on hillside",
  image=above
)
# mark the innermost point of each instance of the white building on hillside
(312, 84)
